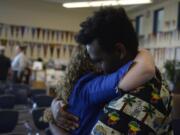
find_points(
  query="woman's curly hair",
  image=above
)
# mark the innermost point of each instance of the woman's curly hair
(79, 65)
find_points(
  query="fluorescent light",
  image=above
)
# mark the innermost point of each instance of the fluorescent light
(89, 4)
(133, 2)
(104, 3)
(101, 3)
(76, 4)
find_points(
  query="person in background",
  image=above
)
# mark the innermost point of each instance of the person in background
(19, 64)
(26, 74)
(5, 65)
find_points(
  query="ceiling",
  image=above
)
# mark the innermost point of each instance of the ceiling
(128, 8)
(62, 1)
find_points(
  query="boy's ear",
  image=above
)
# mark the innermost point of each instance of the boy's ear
(120, 49)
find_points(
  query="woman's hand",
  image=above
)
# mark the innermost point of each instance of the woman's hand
(63, 119)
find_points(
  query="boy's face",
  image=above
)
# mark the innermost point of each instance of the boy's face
(108, 62)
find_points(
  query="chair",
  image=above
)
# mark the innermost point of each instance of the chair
(8, 120)
(43, 100)
(3, 87)
(48, 132)
(20, 91)
(35, 92)
(21, 97)
(25, 87)
(175, 125)
(176, 113)
(37, 114)
(1, 91)
(7, 101)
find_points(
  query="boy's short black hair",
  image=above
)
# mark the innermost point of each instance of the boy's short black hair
(109, 26)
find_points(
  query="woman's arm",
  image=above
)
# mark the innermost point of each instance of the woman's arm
(57, 117)
(141, 72)
(62, 118)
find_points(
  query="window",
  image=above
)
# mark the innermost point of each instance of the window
(179, 17)
(158, 21)
(139, 25)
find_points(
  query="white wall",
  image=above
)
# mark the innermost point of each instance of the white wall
(38, 13)
(170, 15)
(162, 47)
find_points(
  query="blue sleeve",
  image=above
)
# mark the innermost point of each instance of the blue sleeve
(102, 88)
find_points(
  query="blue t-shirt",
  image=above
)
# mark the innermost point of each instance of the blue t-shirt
(89, 95)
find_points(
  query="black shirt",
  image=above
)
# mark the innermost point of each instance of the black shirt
(5, 64)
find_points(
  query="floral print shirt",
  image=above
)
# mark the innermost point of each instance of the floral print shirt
(143, 111)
